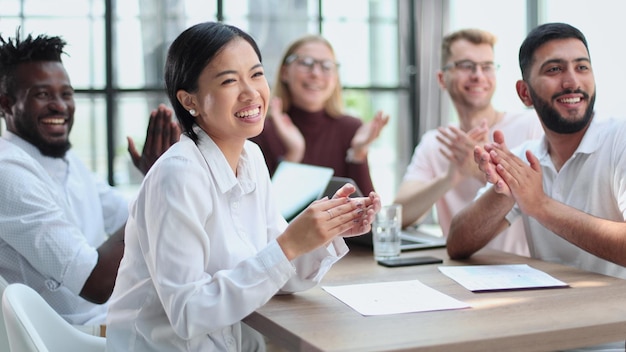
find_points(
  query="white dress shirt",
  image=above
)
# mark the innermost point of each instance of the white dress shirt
(53, 215)
(593, 181)
(201, 253)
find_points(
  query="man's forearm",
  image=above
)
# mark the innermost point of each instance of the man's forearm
(477, 224)
(99, 285)
(601, 237)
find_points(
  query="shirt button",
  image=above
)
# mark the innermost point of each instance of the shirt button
(52, 285)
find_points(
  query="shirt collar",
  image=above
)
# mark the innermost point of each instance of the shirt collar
(56, 167)
(219, 167)
(590, 143)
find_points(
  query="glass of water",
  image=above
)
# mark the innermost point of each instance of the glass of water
(386, 232)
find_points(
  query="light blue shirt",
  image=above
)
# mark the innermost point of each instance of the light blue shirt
(53, 215)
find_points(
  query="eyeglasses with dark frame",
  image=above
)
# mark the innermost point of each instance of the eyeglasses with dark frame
(307, 64)
(469, 66)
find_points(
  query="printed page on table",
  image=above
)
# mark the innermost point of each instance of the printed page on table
(500, 277)
(394, 297)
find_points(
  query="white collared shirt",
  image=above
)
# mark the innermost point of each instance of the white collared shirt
(593, 180)
(53, 215)
(201, 253)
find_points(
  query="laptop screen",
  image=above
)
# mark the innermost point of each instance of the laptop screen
(337, 182)
(296, 185)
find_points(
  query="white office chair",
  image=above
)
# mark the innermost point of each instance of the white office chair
(32, 325)
(4, 340)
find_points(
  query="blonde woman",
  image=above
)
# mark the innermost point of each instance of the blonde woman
(307, 123)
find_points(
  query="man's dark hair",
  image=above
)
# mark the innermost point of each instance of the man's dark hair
(15, 51)
(543, 34)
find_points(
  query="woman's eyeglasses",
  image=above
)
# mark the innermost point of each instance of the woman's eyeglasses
(307, 64)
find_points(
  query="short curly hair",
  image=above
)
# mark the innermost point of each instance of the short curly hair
(15, 51)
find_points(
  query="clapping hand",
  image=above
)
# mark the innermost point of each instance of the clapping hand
(365, 135)
(372, 206)
(510, 175)
(289, 134)
(161, 134)
(458, 148)
(326, 219)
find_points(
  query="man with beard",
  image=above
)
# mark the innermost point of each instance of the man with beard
(571, 191)
(61, 229)
(442, 171)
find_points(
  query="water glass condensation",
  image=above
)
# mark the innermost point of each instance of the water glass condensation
(386, 232)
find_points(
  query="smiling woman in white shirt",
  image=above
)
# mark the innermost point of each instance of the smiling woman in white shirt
(205, 242)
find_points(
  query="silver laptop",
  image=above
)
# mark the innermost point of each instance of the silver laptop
(423, 236)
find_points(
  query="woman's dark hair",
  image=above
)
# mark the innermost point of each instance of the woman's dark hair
(543, 34)
(189, 54)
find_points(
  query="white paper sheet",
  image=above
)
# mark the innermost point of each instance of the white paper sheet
(500, 277)
(393, 297)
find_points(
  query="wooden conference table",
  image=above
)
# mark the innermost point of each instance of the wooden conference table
(591, 311)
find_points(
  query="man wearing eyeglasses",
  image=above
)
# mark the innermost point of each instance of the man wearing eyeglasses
(442, 171)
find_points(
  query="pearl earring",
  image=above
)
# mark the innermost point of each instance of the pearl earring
(192, 112)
